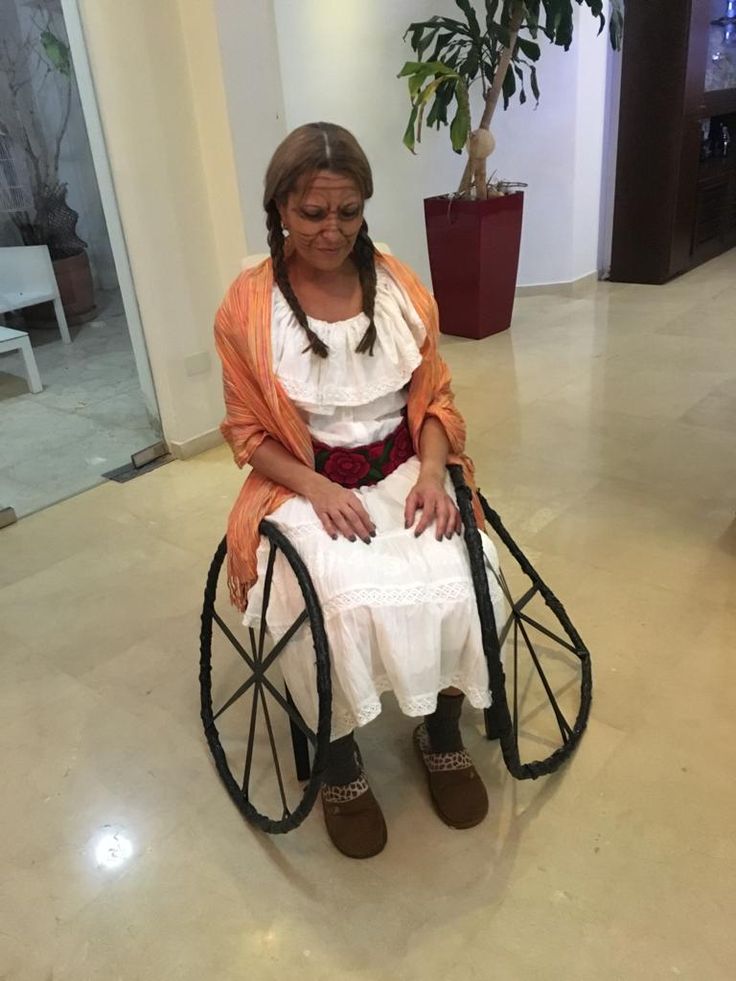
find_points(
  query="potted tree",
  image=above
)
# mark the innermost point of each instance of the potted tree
(37, 204)
(474, 235)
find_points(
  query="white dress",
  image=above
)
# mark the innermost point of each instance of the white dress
(399, 613)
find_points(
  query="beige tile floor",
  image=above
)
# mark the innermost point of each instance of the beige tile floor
(604, 427)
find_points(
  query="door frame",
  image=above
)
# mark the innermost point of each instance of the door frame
(103, 171)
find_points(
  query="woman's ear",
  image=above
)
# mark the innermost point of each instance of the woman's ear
(282, 213)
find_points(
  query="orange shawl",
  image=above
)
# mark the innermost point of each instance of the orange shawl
(258, 407)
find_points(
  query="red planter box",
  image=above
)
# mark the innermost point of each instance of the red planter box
(474, 259)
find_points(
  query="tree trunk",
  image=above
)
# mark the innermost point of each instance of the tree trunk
(504, 63)
(475, 171)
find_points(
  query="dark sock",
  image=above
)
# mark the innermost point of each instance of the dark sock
(342, 762)
(443, 725)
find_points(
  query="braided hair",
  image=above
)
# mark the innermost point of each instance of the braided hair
(308, 149)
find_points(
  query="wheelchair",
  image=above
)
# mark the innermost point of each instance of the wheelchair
(541, 683)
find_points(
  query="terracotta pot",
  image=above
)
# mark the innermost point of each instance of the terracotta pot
(74, 279)
(474, 260)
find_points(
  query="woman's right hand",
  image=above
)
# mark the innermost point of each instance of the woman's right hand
(340, 511)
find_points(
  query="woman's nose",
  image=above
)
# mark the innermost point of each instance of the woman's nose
(331, 232)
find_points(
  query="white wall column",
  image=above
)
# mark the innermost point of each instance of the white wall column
(158, 79)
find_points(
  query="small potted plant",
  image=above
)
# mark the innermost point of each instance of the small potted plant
(474, 235)
(38, 205)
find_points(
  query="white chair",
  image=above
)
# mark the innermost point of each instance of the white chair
(27, 277)
(252, 260)
(17, 340)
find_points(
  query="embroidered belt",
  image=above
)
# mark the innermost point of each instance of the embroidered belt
(361, 466)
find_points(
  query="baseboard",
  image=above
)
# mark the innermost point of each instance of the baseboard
(576, 287)
(196, 445)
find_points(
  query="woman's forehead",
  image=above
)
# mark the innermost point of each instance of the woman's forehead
(327, 183)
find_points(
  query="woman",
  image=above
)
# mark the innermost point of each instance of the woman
(337, 398)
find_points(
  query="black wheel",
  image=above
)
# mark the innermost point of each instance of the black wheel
(542, 685)
(249, 718)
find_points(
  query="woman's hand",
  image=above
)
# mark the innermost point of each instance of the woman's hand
(340, 511)
(430, 497)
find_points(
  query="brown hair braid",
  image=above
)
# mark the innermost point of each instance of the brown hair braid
(280, 274)
(308, 149)
(364, 254)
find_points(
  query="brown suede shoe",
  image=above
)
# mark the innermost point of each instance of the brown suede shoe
(456, 789)
(354, 819)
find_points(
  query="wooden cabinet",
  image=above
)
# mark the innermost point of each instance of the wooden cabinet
(675, 202)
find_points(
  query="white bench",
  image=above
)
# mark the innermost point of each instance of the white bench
(17, 340)
(26, 278)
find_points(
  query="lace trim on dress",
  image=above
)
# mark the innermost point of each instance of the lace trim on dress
(451, 591)
(344, 722)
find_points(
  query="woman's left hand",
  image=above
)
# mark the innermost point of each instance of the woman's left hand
(429, 496)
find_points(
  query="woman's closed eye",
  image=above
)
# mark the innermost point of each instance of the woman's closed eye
(345, 214)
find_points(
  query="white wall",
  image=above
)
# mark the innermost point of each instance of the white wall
(250, 68)
(158, 80)
(590, 126)
(339, 60)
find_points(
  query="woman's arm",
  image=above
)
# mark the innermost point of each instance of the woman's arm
(429, 494)
(340, 511)
(434, 448)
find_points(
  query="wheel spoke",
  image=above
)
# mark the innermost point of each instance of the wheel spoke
(544, 630)
(516, 681)
(284, 640)
(274, 754)
(528, 595)
(565, 730)
(264, 603)
(233, 698)
(233, 639)
(251, 741)
(501, 580)
(504, 632)
(292, 712)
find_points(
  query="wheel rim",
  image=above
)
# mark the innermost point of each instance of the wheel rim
(246, 717)
(548, 681)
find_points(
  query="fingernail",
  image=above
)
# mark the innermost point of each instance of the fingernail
(333, 537)
(367, 541)
(373, 533)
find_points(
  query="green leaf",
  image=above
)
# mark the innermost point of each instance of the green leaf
(454, 26)
(430, 89)
(520, 76)
(469, 67)
(425, 41)
(534, 82)
(530, 49)
(425, 69)
(409, 141)
(442, 41)
(491, 8)
(509, 88)
(616, 24)
(467, 9)
(532, 17)
(460, 128)
(57, 52)
(437, 115)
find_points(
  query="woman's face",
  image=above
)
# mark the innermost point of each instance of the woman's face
(323, 216)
